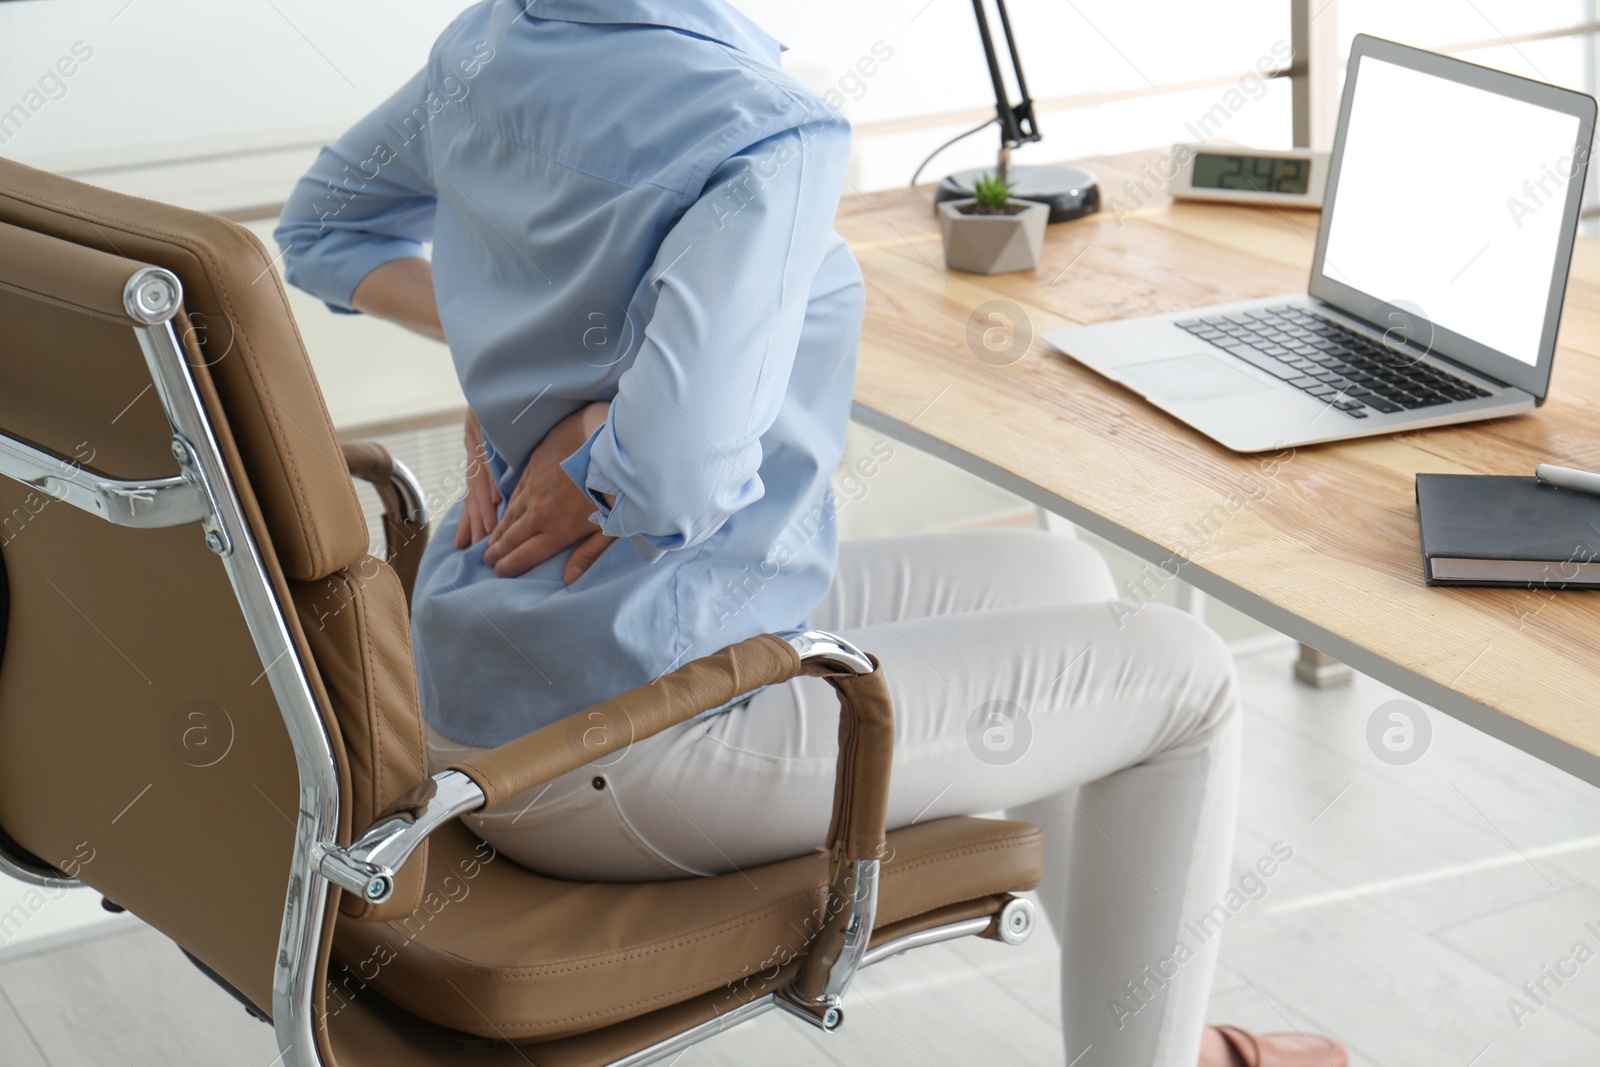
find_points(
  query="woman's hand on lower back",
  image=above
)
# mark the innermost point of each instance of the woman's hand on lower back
(480, 509)
(547, 513)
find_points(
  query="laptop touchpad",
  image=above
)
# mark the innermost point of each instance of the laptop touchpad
(1192, 378)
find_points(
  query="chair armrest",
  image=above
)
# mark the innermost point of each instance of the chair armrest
(405, 515)
(368, 866)
(537, 757)
(856, 833)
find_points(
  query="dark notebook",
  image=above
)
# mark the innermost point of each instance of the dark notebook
(1482, 530)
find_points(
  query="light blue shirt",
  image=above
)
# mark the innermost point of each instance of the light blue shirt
(627, 200)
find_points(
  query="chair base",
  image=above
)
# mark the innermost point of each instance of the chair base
(227, 987)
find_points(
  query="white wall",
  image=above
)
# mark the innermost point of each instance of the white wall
(177, 78)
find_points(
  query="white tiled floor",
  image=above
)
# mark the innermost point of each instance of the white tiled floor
(1418, 901)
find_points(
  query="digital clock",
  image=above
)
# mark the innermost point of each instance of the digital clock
(1286, 177)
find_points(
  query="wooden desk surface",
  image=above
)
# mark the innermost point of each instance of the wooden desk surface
(1320, 542)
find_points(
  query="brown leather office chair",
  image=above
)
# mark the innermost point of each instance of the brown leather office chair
(208, 706)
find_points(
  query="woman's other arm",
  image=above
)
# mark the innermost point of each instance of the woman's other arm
(367, 202)
(401, 291)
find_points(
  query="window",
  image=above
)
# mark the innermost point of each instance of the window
(1102, 78)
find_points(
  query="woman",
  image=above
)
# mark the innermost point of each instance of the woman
(655, 326)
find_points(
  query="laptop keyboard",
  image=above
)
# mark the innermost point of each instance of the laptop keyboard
(1336, 365)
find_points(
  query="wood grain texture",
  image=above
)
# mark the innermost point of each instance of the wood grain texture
(1326, 533)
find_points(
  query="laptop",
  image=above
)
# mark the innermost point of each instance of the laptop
(1448, 220)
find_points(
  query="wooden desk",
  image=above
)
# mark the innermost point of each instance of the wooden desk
(1320, 543)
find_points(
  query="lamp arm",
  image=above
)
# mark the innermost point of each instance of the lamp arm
(1024, 109)
(1017, 124)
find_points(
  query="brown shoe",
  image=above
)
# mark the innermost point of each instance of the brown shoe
(1282, 1050)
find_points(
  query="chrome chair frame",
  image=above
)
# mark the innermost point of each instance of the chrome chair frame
(204, 494)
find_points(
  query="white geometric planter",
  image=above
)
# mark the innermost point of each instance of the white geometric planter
(992, 244)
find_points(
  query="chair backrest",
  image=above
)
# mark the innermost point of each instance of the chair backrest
(148, 742)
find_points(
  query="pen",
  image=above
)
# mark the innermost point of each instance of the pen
(1568, 478)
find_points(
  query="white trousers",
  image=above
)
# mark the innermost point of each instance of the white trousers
(1018, 685)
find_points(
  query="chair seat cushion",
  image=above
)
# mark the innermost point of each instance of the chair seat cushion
(498, 951)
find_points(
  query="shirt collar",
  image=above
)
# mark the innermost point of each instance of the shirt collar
(706, 18)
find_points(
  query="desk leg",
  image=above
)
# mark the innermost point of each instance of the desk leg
(1049, 520)
(1189, 599)
(1320, 671)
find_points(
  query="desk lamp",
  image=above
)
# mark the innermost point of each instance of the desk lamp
(1071, 192)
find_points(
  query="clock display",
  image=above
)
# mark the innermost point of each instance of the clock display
(1264, 174)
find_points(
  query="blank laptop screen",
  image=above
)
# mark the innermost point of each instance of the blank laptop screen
(1449, 204)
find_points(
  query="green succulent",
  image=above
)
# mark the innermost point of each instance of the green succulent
(991, 191)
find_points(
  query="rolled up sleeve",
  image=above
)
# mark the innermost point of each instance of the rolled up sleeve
(592, 480)
(368, 199)
(680, 451)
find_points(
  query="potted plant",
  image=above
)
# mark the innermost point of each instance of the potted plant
(992, 233)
